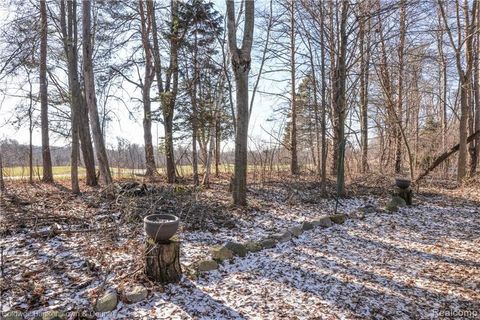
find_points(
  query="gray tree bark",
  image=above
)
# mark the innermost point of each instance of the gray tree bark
(168, 93)
(241, 59)
(146, 26)
(399, 118)
(90, 97)
(464, 73)
(339, 96)
(2, 182)
(68, 26)
(364, 35)
(46, 155)
(293, 131)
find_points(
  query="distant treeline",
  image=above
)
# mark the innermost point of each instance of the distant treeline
(125, 155)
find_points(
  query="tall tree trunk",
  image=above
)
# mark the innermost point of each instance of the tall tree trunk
(364, 35)
(2, 182)
(90, 97)
(79, 112)
(475, 114)
(443, 88)
(318, 143)
(68, 27)
(293, 131)
(340, 103)
(214, 144)
(30, 129)
(146, 26)
(333, 80)
(75, 153)
(167, 94)
(46, 155)
(464, 73)
(387, 88)
(194, 146)
(208, 162)
(218, 138)
(324, 101)
(195, 115)
(462, 154)
(399, 118)
(476, 106)
(84, 133)
(241, 59)
(241, 136)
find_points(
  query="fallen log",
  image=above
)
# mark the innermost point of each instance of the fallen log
(444, 156)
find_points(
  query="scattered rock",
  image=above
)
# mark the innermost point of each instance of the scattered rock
(338, 218)
(268, 243)
(107, 302)
(220, 253)
(295, 231)
(207, 265)
(253, 246)
(391, 207)
(323, 222)
(398, 201)
(282, 237)
(368, 208)
(13, 315)
(238, 249)
(395, 203)
(307, 225)
(136, 294)
(356, 215)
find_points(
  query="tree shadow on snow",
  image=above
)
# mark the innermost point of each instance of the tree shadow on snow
(378, 296)
(199, 304)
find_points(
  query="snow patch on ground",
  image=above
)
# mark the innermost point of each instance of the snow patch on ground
(413, 263)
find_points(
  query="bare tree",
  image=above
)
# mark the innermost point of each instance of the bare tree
(69, 30)
(443, 89)
(324, 101)
(90, 96)
(293, 110)
(340, 77)
(149, 75)
(475, 146)
(46, 156)
(464, 72)
(79, 118)
(241, 59)
(364, 46)
(2, 182)
(168, 88)
(401, 67)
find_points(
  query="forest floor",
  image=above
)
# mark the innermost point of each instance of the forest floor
(59, 252)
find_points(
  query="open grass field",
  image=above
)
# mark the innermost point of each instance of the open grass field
(22, 172)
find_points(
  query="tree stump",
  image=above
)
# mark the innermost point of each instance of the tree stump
(162, 261)
(405, 194)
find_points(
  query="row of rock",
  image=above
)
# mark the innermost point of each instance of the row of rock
(230, 249)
